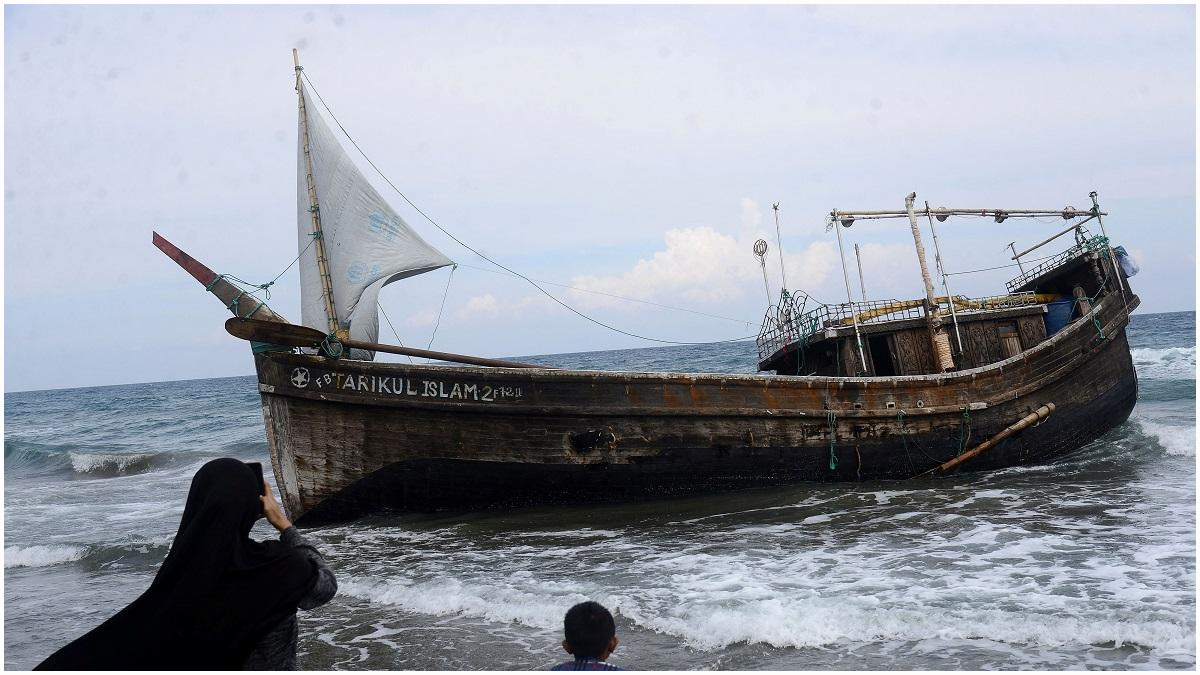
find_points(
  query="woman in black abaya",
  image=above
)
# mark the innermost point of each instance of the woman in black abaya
(220, 601)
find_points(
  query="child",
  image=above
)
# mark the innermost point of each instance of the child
(591, 635)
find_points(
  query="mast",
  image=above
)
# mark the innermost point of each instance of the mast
(313, 208)
(779, 242)
(1112, 259)
(938, 337)
(937, 252)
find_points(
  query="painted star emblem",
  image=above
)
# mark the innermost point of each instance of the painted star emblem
(300, 378)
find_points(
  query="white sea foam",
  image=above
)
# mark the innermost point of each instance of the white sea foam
(826, 621)
(1175, 439)
(1168, 363)
(447, 596)
(109, 463)
(41, 556)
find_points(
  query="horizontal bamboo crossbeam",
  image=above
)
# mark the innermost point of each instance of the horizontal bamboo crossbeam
(984, 213)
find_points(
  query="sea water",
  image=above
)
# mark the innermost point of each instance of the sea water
(1086, 563)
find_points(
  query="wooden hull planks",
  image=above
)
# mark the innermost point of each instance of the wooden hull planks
(347, 437)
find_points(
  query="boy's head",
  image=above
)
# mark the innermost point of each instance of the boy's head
(590, 631)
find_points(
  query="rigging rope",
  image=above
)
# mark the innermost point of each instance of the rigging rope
(748, 324)
(443, 307)
(460, 242)
(1000, 267)
(389, 323)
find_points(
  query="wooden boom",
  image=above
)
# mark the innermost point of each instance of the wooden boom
(303, 336)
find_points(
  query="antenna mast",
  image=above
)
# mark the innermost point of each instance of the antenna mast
(779, 243)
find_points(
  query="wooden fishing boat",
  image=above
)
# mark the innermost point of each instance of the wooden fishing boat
(860, 391)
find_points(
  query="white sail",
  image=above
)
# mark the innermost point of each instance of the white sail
(367, 244)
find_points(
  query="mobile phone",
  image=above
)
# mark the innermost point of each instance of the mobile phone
(256, 467)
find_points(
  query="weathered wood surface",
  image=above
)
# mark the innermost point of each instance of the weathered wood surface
(348, 436)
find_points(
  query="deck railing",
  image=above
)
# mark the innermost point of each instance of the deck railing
(784, 324)
(1096, 243)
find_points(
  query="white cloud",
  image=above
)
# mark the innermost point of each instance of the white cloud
(701, 266)
(751, 214)
(421, 319)
(485, 305)
(488, 305)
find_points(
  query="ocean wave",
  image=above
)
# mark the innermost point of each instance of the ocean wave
(443, 597)
(140, 554)
(1167, 363)
(796, 622)
(116, 464)
(36, 459)
(821, 623)
(1176, 440)
(41, 556)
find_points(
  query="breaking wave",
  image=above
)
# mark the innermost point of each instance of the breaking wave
(1176, 440)
(41, 556)
(1167, 363)
(134, 553)
(32, 458)
(782, 622)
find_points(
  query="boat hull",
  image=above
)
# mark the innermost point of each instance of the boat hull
(348, 437)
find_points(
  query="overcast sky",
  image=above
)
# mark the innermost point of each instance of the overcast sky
(630, 150)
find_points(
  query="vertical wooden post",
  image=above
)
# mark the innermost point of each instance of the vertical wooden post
(938, 338)
(314, 208)
(937, 252)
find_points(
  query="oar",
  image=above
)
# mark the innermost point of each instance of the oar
(292, 335)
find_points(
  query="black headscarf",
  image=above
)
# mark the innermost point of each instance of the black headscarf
(216, 595)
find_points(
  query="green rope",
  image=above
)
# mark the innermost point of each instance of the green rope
(332, 347)
(904, 438)
(964, 428)
(833, 458)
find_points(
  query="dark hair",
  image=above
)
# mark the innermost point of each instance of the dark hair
(589, 628)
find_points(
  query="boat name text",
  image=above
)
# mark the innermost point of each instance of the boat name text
(403, 386)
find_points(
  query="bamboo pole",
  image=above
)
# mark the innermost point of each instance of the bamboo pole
(984, 213)
(1030, 419)
(314, 208)
(937, 252)
(937, 336)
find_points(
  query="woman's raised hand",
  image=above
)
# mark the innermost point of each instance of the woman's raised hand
(273, 511)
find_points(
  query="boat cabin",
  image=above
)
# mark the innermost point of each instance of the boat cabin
(893, 337)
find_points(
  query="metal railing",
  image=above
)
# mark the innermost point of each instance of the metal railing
(1096, 243)
(784, 325)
